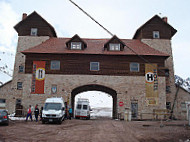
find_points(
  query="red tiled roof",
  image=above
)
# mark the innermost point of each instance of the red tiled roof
(94, 46)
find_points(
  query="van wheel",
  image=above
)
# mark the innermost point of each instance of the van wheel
(60, 121)
(88, 118)
(43, 122)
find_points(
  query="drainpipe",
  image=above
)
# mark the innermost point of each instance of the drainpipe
(171, 116)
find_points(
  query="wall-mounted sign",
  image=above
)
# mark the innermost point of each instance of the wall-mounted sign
(151, 78)
(54, 89)
(38, 77)
(121, 104)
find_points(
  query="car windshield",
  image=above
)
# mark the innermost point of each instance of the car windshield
(52, 106)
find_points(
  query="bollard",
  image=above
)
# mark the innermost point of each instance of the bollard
(129, 116)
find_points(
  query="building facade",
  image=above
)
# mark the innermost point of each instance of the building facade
(138, 73)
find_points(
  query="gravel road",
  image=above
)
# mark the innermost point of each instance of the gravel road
(99, 130)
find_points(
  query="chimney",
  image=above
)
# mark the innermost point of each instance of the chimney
(165, 19)
(24, 15)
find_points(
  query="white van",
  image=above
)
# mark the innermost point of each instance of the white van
(82, 109)
(54, 110)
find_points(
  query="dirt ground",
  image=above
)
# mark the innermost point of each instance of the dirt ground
(100, 130)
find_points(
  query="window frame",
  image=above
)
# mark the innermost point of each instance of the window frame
(156, 34)
(93, 66)
(131, 68)
(114, 47)
(34, 31)
(52, 66)
(21, 70)
(19, 85)
(76, 44)
(183, 106)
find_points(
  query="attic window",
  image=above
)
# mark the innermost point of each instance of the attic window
(156, 34)
(114, 47)
(76, 45)
(34, 31)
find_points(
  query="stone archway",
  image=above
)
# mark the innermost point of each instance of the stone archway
(95, 87)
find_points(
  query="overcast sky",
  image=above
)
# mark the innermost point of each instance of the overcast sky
(121, 17)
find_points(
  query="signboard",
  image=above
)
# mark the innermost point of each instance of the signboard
(38, 77)
(151, 78)
(121, 104)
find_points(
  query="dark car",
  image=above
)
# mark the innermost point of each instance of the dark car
(4, 119)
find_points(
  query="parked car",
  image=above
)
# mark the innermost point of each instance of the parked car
(4, 119)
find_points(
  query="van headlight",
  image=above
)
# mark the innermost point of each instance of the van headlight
(59, 115)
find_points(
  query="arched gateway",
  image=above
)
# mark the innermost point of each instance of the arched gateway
(95, 87)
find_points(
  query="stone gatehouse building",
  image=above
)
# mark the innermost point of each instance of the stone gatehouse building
(138, 73)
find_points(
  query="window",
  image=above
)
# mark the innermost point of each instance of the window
(134, 67)
(2, 102)
(18, 101)
(34, 31)
(183, 106)
(94, 66)
(167, 73)
(156, 34)
(114, 46)
(168, 90)
(55, 65)
(76, 45)
(79, 106)
(85, 107)
(21, 68)
(19, 85)
(168, 105)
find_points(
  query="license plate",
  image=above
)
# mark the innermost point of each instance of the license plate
(50, 120)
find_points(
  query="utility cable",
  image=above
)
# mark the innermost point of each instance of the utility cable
(91, 17)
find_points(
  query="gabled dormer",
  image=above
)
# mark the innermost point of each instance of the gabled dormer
(114, 44)
(155, 28)
(34, 25)
(76, 43)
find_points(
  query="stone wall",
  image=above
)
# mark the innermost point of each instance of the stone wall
(7, 94)
(165, 47)
(128, 88)
(183, 97)
(24, 42)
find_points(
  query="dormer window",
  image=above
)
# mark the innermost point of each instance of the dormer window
(156, 34)
(33, 31)
(76, 45)
(114, 47)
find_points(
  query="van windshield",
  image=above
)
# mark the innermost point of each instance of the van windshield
(85, 107)
(79, 106)
(52, 106)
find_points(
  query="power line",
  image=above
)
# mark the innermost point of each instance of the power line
(91, 17)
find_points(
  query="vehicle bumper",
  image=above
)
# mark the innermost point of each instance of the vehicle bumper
(4, 121)
(45, 119)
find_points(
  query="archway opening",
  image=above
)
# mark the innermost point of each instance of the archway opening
(101, 103)
(95, 87)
